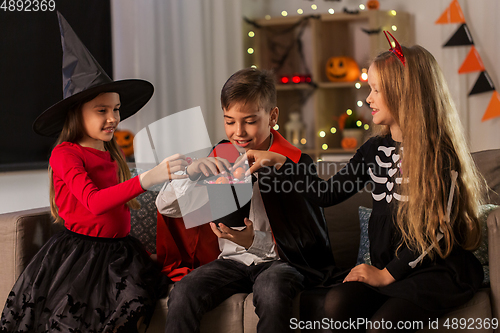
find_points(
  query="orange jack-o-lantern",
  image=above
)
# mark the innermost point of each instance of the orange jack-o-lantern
(125, 139)
(342, 69)
(349, 143)
(372, 4)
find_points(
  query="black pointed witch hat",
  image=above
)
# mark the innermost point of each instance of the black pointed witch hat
(83, 78)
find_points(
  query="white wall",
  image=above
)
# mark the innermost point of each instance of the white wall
(23, 190)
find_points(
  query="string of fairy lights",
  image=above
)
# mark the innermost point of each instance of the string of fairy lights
(296, 79)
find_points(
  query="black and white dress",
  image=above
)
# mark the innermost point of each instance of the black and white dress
(434, 285)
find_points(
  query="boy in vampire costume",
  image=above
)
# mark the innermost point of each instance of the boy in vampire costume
(281, 248)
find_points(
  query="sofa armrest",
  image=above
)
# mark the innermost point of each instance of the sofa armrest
(22, 234)
(494, 260)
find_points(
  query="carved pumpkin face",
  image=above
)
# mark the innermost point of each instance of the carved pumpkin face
(342, 69)
(125, 139)
(349, 143)
(372, 4)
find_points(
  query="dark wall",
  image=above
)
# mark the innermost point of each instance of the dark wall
(31, 73)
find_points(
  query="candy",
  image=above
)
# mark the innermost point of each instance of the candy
(239, 173)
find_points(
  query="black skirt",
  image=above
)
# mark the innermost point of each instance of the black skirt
(77, 283)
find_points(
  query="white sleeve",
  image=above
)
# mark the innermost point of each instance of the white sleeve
(263, 244)
(180, 197)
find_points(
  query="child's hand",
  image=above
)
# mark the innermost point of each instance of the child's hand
(208, 165)
(370, 275)
(164, 171)
(260, 158)
(243, 237)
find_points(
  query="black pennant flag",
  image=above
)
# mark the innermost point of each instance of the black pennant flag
(461, 37)
(483, 84)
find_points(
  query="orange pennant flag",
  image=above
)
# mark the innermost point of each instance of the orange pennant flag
(452, 14)
(472, 62)
(493, 109)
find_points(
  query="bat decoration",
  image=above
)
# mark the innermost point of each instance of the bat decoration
(352, 12)
(372, 31)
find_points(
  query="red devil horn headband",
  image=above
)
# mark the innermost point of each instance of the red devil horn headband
(398, 51)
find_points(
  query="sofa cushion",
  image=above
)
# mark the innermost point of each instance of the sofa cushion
(143, 220)
(364, 241)
(488, 163)
(226, 318)
(475, 315)
(481, 252)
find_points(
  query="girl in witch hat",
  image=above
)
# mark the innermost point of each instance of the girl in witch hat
(426, 194)
(93, 276)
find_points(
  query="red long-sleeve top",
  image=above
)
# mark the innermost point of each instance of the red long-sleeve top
(90, 199)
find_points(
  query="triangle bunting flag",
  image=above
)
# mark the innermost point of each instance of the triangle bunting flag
(452, 14)
(493, 109)
(461, 37)
(483, 84)
(472, 62)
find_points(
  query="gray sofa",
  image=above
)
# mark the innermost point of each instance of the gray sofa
(22, 233)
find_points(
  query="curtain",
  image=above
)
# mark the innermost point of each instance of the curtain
(186, 48)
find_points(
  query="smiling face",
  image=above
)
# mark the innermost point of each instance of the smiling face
(100, 117)
(376, 100)
(248, 126)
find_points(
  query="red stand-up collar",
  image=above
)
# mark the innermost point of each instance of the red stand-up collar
(282, 146)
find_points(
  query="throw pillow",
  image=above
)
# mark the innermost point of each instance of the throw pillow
(364, 242)
(481, 253)
(143, 220)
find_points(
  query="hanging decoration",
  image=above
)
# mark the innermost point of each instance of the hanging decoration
(372, 31)
(483, 84)
(282, 48)
(461, 37)
(473, 62)
(352, 12)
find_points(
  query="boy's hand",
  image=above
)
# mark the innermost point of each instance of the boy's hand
(370, 275)
(261, 158)
(208, 165)
(243, 237)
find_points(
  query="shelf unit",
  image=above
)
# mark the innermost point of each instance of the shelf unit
(321, 37)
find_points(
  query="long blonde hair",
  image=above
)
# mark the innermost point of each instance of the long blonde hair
(73, 132)
(433, 145)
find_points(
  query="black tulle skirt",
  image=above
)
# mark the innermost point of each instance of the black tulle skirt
(78, 283)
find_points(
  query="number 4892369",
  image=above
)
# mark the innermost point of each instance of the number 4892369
(28, 5)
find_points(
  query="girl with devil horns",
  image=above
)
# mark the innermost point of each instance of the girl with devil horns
(426, 198)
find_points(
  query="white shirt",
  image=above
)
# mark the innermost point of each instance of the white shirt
(182, 195)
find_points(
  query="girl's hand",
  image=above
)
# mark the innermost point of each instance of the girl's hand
(260, 158)
(241, 237)
(164, 171)
(208, 165)
(370, 275)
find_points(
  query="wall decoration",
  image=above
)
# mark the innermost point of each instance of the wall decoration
(371, 32)
(461, 37)
(483, 84)
(473, 62)
(453, 14)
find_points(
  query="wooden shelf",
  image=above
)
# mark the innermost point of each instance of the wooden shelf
(293, 86)
(333, 85)
(321, 36)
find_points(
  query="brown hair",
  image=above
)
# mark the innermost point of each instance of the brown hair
(72, 132)
(434, 144)
(249, 85)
